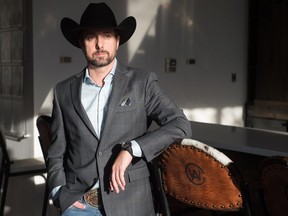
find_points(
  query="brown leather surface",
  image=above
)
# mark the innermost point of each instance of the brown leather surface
(195, 178)
(274, 179)
(44, 128)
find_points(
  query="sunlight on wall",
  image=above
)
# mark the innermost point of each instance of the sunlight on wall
(231, 116)
(202, 114)
(145, 22)
(46, 109)
(225, 116)
(37, 148)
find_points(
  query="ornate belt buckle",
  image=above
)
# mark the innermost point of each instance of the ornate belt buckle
(93, 198)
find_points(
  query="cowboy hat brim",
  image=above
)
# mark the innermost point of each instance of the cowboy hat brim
(72, 30)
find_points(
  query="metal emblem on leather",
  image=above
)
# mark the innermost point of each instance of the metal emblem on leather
(195, 174)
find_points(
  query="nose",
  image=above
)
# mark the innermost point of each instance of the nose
(99, 42)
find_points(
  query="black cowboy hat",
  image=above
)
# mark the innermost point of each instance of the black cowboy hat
(97, 16)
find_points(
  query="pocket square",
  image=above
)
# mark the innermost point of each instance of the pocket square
(126, 102)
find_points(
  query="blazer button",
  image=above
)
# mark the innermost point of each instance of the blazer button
(100, 153)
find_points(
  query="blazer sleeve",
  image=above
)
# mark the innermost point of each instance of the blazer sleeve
(56, 174)
(172, 122)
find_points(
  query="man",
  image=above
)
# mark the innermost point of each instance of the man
(97, 163)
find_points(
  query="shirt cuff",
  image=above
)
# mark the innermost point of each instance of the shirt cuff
(54, 191)
(137, 152)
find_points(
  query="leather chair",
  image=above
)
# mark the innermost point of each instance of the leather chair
(193, 176)
(9, 168)
(43, 124)
(274, 185)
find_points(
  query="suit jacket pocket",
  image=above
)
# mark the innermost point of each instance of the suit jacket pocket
(125, 108)
(139, 173)
(127, 103)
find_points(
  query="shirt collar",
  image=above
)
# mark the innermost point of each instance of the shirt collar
(88, 81)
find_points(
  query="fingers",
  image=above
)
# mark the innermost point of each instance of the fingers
(117, 179)
(79, 205)
(111, 186)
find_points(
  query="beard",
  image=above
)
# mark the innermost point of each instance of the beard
(100, 61)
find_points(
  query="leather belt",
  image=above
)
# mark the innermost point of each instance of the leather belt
(93, 198)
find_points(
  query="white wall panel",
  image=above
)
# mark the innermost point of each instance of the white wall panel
(214, 33)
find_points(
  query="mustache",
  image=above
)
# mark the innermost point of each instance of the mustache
(100, 51)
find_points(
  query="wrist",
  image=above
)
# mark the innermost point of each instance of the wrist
(127, 146)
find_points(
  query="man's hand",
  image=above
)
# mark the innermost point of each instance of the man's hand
(118, 169)
(79, 205)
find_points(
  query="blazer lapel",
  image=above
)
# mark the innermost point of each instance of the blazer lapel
(119, 85)
(76, 95)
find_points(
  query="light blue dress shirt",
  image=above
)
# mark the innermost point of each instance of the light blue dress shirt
(95, 97)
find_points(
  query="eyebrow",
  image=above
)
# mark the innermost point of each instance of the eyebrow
(99, 32)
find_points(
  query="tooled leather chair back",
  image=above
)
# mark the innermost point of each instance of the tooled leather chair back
(201, 176)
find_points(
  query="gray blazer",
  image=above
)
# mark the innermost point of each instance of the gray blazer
(77, 157)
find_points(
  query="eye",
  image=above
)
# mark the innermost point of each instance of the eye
(107, 35)
(89, 37)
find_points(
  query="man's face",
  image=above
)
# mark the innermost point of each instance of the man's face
(100, 47)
